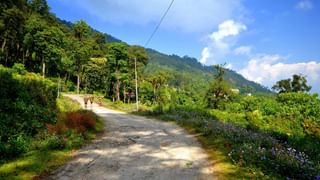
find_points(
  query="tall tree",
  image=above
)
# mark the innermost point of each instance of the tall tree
(298, 83)
(11, 31)
(283, 86)
(219, 90)
(40, 6)
(47, 42)
(137, 61)
(158, 80)
(118, 66)
(81, 32)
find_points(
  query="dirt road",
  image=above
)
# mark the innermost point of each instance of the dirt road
(135, 147)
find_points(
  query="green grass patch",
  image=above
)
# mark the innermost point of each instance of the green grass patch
(125, 107)
(65, 104)
(34, 163)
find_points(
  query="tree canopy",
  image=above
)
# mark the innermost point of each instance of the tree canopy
(298, 83)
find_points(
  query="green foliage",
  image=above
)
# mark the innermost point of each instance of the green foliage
(19, 68)
(298, 83)
(27, 102)
(15, 146)
(66, 105)
(246, 144)
(54, 142)
(219, 92)
(94, 75)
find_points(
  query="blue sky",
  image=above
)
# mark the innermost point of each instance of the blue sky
(263, 40)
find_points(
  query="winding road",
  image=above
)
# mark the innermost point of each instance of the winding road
(136, 148)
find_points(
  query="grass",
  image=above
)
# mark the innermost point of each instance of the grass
(36, 163)
(66, 104)
(120, 106)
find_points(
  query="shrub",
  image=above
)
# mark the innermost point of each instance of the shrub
(19, 68)
(59, 128)
(54, 142)
(27, 103)
(74, 140)
(80, 120)
(17, 145)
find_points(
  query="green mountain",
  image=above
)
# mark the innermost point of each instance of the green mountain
(108, 37)
(190, 71)
(187, 71)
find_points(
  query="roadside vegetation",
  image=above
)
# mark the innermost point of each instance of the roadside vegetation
(38, 131)
(246, 135)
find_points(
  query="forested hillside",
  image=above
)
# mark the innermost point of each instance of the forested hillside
(189, 70)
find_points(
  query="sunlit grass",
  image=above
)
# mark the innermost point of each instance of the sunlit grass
(65, 104)
(34, 163)
(125, 107)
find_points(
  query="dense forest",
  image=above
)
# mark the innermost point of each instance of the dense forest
(41, 54)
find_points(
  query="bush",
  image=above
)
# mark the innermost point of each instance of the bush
(58, 128)
(74, 140)
(16, 146)
(80, 120)
(19, 69)
(55, 142)
(27, 103)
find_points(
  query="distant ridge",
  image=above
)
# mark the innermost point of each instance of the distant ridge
(188, 68)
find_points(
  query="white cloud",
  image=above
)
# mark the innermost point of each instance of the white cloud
(243, 50)
(184, 15)
(205, 54)
(221, 41)
(268, 69)
(227, 28)
(229, 66)
(304, 5)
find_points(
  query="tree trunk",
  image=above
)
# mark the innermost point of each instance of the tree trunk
(3, 45)
(78, 83)
(43, 69)
(6, 59)
(118, 89)
(124, 94)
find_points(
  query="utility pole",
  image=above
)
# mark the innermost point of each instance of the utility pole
(136, 77)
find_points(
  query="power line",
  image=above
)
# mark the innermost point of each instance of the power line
(157, 27)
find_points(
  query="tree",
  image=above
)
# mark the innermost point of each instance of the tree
(11, 31)
(40, 6)
(298, 83)
(157, 81)
(137, 61)
(99, 45)
(219, 90)
(81, 52)
(47, 42)
(117, 65)
(95, 75)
